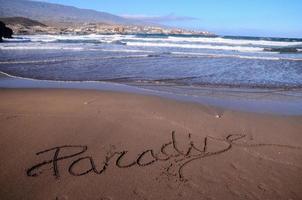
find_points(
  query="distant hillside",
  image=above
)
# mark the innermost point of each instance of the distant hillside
(47, 12)
(21, 21)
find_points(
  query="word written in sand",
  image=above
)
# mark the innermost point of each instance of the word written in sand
(169, 152)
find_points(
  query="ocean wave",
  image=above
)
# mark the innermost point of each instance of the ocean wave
(177, 82)
(192, 54)
(146, 54)
(218, 40)
(92, 38)
(71, 60)
(238, 41)
(40, 48)
(49, 80)
(198, 46)
(284, 50)
(16, 39)
(127, 50)
(181, 83)
(121, 39)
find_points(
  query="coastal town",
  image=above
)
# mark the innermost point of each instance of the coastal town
(25, 26)
(90, 28)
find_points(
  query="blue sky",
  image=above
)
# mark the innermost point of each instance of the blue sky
(279, 18)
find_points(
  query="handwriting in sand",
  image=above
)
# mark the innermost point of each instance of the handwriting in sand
(169, 152)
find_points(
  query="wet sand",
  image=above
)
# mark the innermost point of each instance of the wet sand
(86, 144)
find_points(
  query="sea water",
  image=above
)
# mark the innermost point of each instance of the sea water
(156, 59)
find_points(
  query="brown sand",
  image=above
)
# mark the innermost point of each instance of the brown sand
(120, 137)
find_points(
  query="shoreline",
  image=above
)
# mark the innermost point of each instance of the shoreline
(265, 101)
(88, 144)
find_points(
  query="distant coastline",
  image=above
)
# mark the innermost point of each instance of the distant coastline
(26, 26)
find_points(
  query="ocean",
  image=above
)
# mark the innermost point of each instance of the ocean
(194, 66)
(156, 59)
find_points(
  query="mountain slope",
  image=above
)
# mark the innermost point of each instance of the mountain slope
(20, 20)
(43, 11)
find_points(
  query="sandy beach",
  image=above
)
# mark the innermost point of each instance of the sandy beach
(154, 100)
(86, 144)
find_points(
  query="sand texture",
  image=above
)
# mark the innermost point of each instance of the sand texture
(81, 144)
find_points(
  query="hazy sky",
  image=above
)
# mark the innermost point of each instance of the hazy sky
(281, 18)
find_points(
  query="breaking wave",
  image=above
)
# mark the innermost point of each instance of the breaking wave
(218, 40)
(197, 46)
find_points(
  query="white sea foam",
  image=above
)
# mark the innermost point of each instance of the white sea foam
(40, 48)
(250, 48)
(170, 39)
(56, 38)
(70, 60)
(218, 40)
(16, 39)
(49, 80)
(234, 56)
(127, 50)
(228, 56)
(198, 46)
(236, 41)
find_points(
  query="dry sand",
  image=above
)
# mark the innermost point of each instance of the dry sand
(80, 144)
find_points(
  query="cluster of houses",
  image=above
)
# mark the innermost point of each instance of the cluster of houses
(94, 28)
